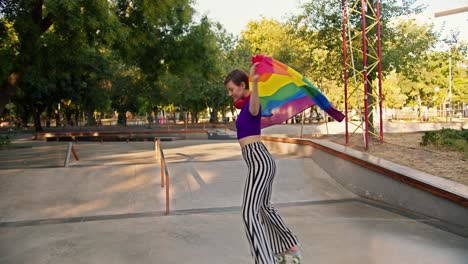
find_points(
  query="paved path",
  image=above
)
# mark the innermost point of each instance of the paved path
(108, 208)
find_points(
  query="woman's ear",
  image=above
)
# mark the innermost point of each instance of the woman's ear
(242, 85)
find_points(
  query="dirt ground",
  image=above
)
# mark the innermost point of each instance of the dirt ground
(405, 149)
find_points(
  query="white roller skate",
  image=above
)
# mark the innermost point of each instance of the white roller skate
(295, 256)
(280, 258)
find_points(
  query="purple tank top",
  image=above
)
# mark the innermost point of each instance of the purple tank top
(246, 123)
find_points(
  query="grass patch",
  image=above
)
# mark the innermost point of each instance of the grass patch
(447, 139)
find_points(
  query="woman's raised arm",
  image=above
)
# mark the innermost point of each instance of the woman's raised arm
(254, 106)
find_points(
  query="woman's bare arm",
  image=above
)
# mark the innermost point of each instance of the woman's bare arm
(254, 106)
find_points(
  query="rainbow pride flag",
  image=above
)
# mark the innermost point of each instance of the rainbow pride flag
(284, 92)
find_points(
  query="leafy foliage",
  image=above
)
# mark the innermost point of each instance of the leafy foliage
(8, 47)
(4, 140)
(146, 56)
(448, 139)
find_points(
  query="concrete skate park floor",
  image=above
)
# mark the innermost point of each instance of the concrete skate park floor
(108, 207)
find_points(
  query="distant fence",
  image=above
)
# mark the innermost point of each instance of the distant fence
(134, 124)
(309, 117)
(404, 114)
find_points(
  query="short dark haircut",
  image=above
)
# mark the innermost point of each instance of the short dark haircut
(237, 76)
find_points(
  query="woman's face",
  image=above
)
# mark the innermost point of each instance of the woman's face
(235, 91)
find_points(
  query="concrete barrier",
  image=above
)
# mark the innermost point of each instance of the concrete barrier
(339, 128)
(122, 135)
(383, 181)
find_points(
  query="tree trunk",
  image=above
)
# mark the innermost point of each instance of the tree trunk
(419, 107)
(122, 119)
(225, 121)
(24, 120)
(49, 115)
(214, 116)
(192, 117)
(155, 111)
(8, 89)
(58, 122)
(77, 115)
(68, 115)
(23, 114)
(149, 118)
(37, 111)
(90, 120)
(37, 121)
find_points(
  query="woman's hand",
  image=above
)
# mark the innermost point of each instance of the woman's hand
(253, 72)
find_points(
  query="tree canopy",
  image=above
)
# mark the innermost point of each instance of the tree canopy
(75, 58)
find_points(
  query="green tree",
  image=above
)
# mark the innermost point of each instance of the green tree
(95, 84)
(199, 71)
(274, 39)
(8, 47)
(412, 45)
(125, 89)
(151, 39)
(392, 95)
(320, 25)
(29, 22)
(438, 66)
(51, 48)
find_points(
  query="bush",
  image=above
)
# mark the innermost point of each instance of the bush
(4, 140)
(447, 138)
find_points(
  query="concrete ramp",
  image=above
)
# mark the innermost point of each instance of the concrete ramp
(108, 210)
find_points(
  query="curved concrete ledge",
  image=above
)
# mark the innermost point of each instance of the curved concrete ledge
(380, 180)
(340, 128)
(71, 136)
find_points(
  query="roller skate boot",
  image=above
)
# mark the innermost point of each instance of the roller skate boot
(295, 256)
(280, 258)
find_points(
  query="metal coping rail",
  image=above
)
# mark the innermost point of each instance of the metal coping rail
(159, 155)
(70, 149)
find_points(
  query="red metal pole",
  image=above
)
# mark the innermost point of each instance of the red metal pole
(364, 59)
(379, 50)
(161, 161)
(168, 200)
(74, 153)
(345, 76)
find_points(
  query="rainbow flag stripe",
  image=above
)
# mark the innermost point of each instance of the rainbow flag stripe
(284, 92)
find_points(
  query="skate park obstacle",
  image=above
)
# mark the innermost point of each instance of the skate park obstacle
(164, 172)
(70, 150)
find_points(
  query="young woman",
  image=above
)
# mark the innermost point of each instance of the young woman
(270, 239)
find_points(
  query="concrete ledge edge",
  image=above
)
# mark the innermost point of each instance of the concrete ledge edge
(445, 188)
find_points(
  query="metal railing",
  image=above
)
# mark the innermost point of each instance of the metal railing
(159, 155)
(70, 149)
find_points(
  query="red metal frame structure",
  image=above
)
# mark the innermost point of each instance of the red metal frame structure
(371, 49)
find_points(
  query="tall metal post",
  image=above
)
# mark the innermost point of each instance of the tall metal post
(379, 51)
(345, 74)
(450, 82)
(364, 72)
(369, 34)
(9, 110)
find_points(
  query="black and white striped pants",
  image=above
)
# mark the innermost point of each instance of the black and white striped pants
(266, 231)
